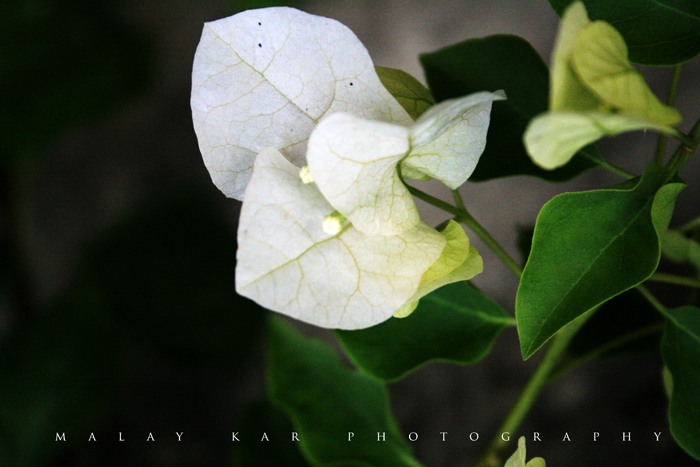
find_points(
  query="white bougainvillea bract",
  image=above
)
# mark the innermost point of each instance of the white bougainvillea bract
(276, 90)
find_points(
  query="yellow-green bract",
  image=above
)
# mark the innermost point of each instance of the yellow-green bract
(595, 92)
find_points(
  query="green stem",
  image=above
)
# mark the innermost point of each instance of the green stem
(671, 99)
(463, 216)
(652, 299)
(607, 347)
(686, 149)
(614, 169)
(674, 279)
(493, 455)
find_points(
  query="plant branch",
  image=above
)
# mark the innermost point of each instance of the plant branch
(670, 101)
(686, 149)
(605, 348)
(538, 380)
(463, 216)
(652, 299)
(674, 279)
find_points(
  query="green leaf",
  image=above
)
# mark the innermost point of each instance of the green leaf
(680, 349)
(656, 32)
(677, 247)
(456, 323)
(411, 94)
(627, 323)
(326, 401)
(258, 418)
(587, 248)
(509, 63)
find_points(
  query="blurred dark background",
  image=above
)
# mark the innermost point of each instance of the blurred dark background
(117, 305)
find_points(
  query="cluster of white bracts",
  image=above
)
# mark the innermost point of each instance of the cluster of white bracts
(275, 90)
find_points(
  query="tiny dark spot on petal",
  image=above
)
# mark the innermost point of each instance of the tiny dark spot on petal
(259, 45)
(351, 83)
(259, 24)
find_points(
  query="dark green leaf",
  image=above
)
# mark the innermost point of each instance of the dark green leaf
(456, 323)
(59, 375)
(169, 271)
(259, 418)
(656, 32)
(680, 349)
(587, 248)
(411, 94)
(624, 324)
(509, 63)
(326, 401)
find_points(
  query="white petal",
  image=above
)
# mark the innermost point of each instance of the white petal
(552, 139)
(287, 263)
(265, 77)
(353, 162)
(448, 140)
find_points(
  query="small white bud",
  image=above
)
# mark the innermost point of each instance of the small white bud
(305, 175)
(333, 223)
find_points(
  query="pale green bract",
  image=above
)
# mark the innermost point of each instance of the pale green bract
(519, 456)
(458, 261)
(337, 243)
(595, 92)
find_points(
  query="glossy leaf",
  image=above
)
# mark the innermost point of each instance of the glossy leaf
(326, 401)
(587, 248)
(411, 94)
(509, 63)
(456, 323)
(656, 33)
(680, 349)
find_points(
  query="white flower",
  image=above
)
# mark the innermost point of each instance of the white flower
(337, 243)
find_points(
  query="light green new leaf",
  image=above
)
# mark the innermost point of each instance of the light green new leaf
(680, 349)
(589, 247)
(448, 140)
(553, 138)
(456, 323)
(266, 77)
(599, 57)
(353, 162)
(677, 247)
(326, 401)
(458, 262)
(287, 263)
(657, 32)
(519, 456)
(566, 91)
(407, 90)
